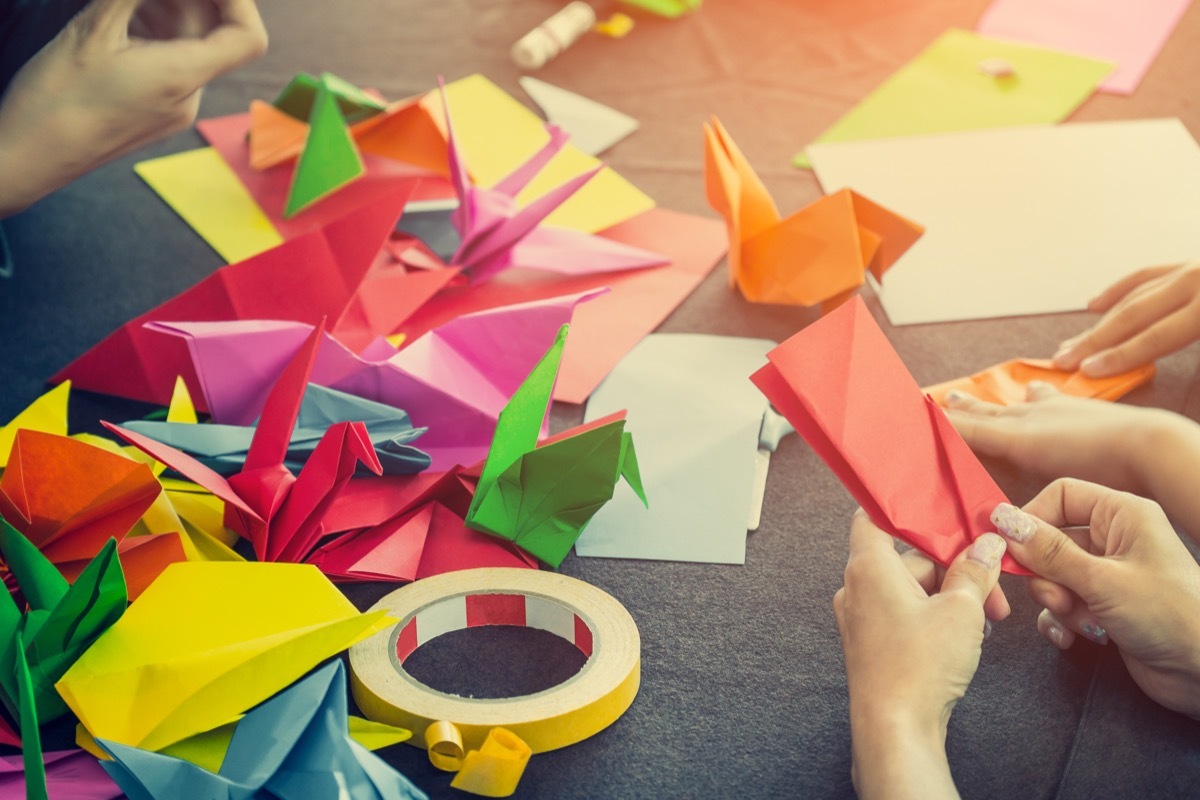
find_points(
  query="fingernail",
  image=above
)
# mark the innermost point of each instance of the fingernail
(987, 550)
(1092, 363)
(1095, 631)
(1013, 523)
(1055, 632)
(987, 628)
(1063, 352)
(955, 397)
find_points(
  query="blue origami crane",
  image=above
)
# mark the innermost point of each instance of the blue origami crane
(295, 746)
(222, 448)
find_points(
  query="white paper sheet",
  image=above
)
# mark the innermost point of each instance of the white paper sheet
(695, 419)
(1026, 220)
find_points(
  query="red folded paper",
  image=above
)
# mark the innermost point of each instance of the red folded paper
(849, 395)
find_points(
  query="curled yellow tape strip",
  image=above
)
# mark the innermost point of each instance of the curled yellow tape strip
(577, 708)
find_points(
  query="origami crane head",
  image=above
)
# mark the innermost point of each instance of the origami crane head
(818, 255)
(541, 497)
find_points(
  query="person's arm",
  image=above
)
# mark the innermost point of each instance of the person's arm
(101, 88)
(1147, 315)
(912, 642)
(1151, 452)
(1124, 577)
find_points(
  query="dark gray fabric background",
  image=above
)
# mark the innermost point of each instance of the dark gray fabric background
(743, 689)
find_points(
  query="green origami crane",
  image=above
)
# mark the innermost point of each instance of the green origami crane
(540, 498)
(38, 646)
(330, 158)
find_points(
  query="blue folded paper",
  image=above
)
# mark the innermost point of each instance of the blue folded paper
(295, 746)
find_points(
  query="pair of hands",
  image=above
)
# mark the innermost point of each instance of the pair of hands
(912, 634)
(120, 75)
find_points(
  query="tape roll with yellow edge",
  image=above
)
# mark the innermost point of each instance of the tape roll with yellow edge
(562, 715)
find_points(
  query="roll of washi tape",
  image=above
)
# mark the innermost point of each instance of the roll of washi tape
(575, 709)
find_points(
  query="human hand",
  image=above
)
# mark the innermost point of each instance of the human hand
(1056, 435)
(1149, 314)
(1126, 578)
(911, 650)
(121, 74)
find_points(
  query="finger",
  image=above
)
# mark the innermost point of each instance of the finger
(996, 606)
(240, 38)
(1122, 323)
(1166, 336)
(1041, 546)
(1080, 621)
(976, 570)
(1053, 596)
(1040, 390)
(925, 570)
(106, 20)
(1109, 297)
(962, 401)
(1053, 631)
(873, 560)
(983, 433)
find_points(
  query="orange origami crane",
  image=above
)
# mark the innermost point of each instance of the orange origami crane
(820, 254)
(1007, 383)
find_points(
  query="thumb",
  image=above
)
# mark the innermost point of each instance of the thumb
(976, 570)
(108, 19)
(1045, 549)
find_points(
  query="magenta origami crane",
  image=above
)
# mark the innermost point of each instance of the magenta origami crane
(454, 380)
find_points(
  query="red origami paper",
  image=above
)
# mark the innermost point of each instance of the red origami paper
(69, 498)
(846, 391)
(331, 273)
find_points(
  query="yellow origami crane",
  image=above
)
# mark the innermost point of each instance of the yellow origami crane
(820, 254)
(204, 644)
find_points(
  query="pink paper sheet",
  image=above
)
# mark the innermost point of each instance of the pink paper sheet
(1128, 32)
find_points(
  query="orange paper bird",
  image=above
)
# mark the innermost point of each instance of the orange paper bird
(69, 498)
(820, 254)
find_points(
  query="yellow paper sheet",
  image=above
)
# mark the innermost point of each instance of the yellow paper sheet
(944, 89)
(206, 642)
(496, 133)
(47, 414)
(203, 190)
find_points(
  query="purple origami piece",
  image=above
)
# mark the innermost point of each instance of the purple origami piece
(454, 380)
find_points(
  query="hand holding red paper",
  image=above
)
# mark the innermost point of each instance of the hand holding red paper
(912, 642)
(1127, 579)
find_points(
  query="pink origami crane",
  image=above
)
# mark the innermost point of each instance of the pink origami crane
(287, 517)
(496, 234)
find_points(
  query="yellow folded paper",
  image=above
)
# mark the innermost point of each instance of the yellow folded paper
(47, 414)
(495, 769)
(206, 642)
